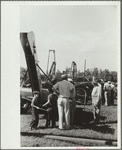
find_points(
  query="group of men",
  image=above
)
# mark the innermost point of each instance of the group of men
(100, 93)
(62, 100)
(65, 91)
(109, 93)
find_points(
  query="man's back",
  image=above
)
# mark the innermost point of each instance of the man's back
(107, 87)
(64, 88)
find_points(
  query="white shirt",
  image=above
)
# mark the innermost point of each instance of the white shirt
(107, 86)
(64, 87)
(96, 94)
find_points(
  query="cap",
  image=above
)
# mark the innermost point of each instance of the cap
(95, 83)
(54, 80)
(64, 76)
(109, 82)
(70, 80)
(36, 92)
(99, 80)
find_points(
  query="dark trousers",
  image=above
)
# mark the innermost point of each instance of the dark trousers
(112, 97)
(51, 117)
(35, 117)
(103, 98)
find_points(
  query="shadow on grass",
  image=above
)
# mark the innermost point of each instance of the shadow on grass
(108, 122)
(32, 134)
(44, 127)
(102, 117)
(82, 117)
(103, 129)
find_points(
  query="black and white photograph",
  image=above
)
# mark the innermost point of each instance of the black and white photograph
(66, 92)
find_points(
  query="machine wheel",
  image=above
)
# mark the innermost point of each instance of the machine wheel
(81, 96)
(24, 107)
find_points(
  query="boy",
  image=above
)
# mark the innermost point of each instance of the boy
(52, 110)
(35, 115)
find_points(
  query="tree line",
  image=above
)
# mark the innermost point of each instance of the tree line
(89, 73)
(99, 74)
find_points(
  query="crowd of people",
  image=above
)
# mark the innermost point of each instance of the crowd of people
(61, 101)
(102, 94)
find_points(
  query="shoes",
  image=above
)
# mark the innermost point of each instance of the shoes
(46, 126)
(53, 126)
(61, 128)
(67, 128)
(93, 122)
(33, 128)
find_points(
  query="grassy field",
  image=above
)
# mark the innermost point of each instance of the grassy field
(106, 129)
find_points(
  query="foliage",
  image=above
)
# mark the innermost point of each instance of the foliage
(24, 76)
(89, 73)
(99, 73)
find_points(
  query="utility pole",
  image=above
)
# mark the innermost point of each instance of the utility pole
(48, 62)
(49, 57)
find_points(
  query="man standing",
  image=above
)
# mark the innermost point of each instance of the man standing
(107, 93)
(101, 84)
(96, 101)
(64, 87)
(112, 93)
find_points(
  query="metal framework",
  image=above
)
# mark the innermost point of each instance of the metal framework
(28, 44)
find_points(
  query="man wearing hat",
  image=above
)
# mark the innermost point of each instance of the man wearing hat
(64, 87)
(35, 116)
(107, 92)
(96, 101)
(101, 84)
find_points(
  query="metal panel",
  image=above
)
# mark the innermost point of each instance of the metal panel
(28, 44)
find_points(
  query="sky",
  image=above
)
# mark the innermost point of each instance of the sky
(76, 33)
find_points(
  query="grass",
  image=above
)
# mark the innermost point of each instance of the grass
(106, 129)
(31, 141)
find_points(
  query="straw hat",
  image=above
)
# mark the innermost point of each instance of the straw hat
(70, 80)
(64, 76)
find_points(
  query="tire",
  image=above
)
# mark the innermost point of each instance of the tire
(24, 106)
(81, 96)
